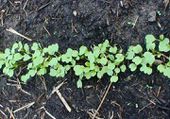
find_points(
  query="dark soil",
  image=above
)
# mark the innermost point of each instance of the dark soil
(72, 23)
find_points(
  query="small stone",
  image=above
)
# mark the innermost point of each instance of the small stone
(152, 16)
(75, 13)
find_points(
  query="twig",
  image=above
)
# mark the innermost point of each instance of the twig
(1, 106)
(23, 107)
(135, 22)
(3, 114)
(159, 90)
(63, 100)
(102, 101)
(25, 7)
(46, 30)
(11, 114)
(91, 115)
(15, 32)
(50, 115)
(111, 115)
(120, 109)
(19, 87)
(1, 17)
(144, 107)
(56, 90)
(166, 2)
(43, 6)
(165, 56)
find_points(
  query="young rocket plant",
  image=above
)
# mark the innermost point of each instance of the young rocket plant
(103, 59)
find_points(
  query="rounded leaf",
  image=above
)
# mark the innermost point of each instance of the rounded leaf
(82, 50)
(132, 67)
(137, 49)
(78, 69)
(114, 79)
(137, 60)
(79, 84)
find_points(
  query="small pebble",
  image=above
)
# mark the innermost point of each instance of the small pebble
(75, 13)
(152, 16)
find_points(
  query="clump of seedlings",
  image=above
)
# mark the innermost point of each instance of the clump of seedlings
(102, 59)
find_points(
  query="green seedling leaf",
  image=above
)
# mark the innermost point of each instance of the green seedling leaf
(14, 47)
(117, 70)
(20, 46)
(161, 37)
(66, 58)
(109, 72)
(2, 62)
(53, 72)
(32, 72)
(36, 54)
(7, 52)
(106, 43)
(67, 67)
(82, 50)
(104, 69)
(74, 53)
(161, 68)
(111, 66)
(111, 57)
(137, 60)
(38, 60)
(26, 57)
(42, 71)
(123, 68)
(86, 69)
(90, 74)
(146, 69)
(2, 56)
(114, 79)
(26, 48)
(29, 66)
(132, 67)
(137, 49)
(119, 58)
(53, 62)
(17, 57)
(96, 52)
(35, 46)
(92, 66)
(130, 55)
(24, 78)
(148, 58)
(164, 45)
(100, 74)
(103, 61)
(52, 49)
(91, 57)
(150, 45)
(104, 46)
(166, 72)
(10, 72)
(113, 50)
(60, 71)
(79, 84)
(78, 69)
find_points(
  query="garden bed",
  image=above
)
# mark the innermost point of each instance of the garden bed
(87, 22)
